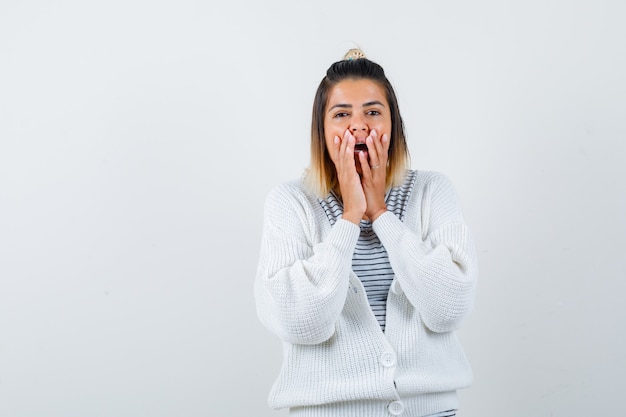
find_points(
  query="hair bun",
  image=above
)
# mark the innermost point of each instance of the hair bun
(354, 53)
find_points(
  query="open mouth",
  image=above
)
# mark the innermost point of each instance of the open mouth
(360, 147)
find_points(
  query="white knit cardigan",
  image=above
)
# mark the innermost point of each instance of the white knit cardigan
(337, 360)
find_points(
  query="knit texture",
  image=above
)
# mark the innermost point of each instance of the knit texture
(370, 261)
(337, 360)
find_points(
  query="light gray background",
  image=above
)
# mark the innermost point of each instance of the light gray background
(138, 140)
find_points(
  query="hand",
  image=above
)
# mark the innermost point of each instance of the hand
(374, 174)
(352, 194)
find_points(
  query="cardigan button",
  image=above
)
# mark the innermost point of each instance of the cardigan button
(388, 359)
(395, 287)
(395, 408)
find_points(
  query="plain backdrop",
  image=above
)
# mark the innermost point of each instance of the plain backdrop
(138, 140)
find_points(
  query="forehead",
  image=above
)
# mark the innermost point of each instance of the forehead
(356, 92)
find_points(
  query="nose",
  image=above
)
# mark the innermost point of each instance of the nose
(358, 124)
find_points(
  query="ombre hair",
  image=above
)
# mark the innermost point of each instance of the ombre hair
(321, 176)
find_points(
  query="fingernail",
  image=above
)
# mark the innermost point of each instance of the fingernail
(336, 140)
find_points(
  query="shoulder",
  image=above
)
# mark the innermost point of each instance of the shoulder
(293, 210)
(439, 198)
(434, 190)
(289, 197)
(422, 181)
(289, 191)
(428, 177)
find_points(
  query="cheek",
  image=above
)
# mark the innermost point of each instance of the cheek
(334, 129)
(330, 131)
(329, 141)
(385, 125)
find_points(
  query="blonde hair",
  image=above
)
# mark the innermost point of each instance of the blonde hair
(321, 176)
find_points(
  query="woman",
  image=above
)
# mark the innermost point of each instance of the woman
(366, 268)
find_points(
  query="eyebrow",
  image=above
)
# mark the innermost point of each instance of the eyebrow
(349, 106)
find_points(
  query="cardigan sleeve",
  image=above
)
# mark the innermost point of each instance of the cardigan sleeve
(301, 285)
(436, 268)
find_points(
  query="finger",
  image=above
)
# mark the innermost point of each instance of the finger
(373, 148)
(334, 149)
(380, 148)
(350, 147)
(344, 142)
(365, 166)
(347, 145)
(346, 163)
(383, 149)
(385, 143)
(341, 150)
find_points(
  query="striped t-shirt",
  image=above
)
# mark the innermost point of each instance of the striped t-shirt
(370, 261)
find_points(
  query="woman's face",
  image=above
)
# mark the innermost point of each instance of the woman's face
(359, 106)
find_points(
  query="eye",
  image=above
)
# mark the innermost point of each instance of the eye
(373, 113)
(340, 115)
